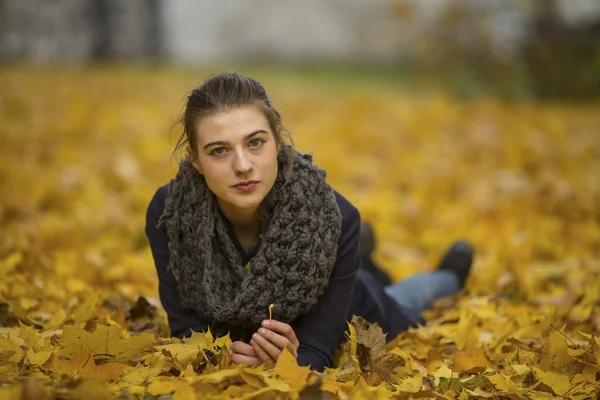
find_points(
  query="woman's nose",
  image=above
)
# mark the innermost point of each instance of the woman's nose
(242, 163)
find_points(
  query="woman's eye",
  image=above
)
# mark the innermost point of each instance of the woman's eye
(256, 142)
(218, 151)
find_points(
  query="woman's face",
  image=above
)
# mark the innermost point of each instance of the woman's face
(237, 154)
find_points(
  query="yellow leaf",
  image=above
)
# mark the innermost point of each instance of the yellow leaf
(410, 385)
(186, 392)
(219, 376)
(31, 338)
(465, 335)
(110, 341)
(91, 389)
(503, 382)
(590, 373)
(82, 364)
(9, 263)
(58, 317)
(288, 369)
(38, 358)
(477, 392)
(138, 375)
(11, 392)
(277, 384)
(349, 356)
(554, 351)
(9, 351)
(473, 360)
(256, 394)
(187, 351)
(520, 369)
(443, 372)
(85, 310)
(557, 382)
(363, 391)
(202, 340)
(160, 385)
(188, 372)
(223, 341)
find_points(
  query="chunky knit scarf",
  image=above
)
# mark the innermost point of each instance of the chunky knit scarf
(292, 262)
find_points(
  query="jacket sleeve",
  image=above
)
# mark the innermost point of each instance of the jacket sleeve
(321, 330)
(181, 320)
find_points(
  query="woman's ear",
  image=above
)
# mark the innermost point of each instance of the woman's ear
(194, 159)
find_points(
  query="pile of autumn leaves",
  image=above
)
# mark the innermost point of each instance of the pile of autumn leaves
(79, 314)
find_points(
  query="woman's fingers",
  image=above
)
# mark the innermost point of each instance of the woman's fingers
(260, 352)
(267, 346)
(237, 358)
(242, 348)
(243, 353)
(282, 328)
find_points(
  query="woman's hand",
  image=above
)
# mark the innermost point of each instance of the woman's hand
(243, 353)
(272, 338)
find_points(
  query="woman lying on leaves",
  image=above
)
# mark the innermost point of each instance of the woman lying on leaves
(248, 222)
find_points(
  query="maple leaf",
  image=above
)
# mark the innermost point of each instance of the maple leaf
(472, 360)
(349, 358)
(138, 375)
(92, 389)
(110, 341)
(372, 354)
(160, 385)
(9, 351)
(82, 364)
(504, 383)
(287, 368)
(190, 348)
(8, 264)
(85, 310)
(559, 383)
(253, 379)
(466, 336)
(555, 351)
(410, 385)
(32, 339)
(219, 376)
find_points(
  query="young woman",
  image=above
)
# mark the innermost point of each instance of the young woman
(248, 222)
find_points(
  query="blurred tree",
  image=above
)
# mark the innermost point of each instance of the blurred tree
(561, 59)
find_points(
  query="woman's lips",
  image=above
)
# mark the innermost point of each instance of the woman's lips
(246, 186)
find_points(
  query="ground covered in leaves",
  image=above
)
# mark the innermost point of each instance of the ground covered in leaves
(82, 152)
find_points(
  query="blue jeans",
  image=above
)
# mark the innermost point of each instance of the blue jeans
(419, 291)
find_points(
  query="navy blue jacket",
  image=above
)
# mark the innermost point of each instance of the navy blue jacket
(351, 291)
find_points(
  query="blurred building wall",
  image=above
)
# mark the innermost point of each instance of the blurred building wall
(79, 30)
(208, 30)
(335, 29)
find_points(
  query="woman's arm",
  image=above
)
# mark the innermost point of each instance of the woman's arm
(321, 330)
(181, 320)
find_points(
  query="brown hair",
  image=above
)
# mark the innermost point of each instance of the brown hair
(224, 92)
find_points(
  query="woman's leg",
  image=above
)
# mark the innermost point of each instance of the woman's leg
(419, 291)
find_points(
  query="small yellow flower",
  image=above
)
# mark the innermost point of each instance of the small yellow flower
(271, 310)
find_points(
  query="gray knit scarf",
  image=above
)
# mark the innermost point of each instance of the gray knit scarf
(292, 262)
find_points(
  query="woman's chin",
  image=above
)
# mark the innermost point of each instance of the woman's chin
(247, 202)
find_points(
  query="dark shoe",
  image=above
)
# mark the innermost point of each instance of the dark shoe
(366, 247)
(458, 259)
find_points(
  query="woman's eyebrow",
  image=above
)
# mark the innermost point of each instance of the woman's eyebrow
(246, 137)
